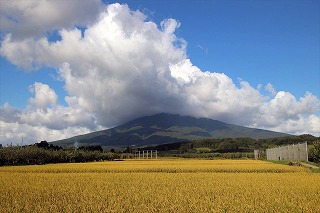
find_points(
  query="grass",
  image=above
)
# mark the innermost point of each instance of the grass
(283, 162)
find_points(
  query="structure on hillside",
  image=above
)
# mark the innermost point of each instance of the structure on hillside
(290, 152)
(146, 154)
(258, 154)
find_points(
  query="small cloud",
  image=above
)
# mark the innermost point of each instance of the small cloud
(44, 95)
(269, 87)
(56, 77)
(204, 49)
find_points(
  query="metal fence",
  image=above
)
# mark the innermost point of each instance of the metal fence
(290, 152)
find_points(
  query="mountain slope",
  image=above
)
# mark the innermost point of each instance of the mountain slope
(166, 128)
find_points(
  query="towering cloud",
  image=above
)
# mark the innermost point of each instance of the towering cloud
(122, 67)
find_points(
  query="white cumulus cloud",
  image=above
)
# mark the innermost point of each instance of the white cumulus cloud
(44, 96)
(42, 121)
(29, 18)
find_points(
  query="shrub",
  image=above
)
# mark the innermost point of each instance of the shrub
(314, 152)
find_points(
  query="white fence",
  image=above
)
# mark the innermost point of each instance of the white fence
(146, 154)
(290, 152)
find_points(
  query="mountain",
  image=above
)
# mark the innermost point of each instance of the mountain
(165, 128)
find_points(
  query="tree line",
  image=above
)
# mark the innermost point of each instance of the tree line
(43, 153)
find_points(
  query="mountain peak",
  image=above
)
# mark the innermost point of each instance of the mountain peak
(166, 128)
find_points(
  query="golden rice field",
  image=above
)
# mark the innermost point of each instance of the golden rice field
(165, 185)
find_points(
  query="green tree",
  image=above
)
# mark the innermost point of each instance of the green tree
(314, 152)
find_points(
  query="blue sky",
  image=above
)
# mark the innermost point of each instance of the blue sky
(266, 42)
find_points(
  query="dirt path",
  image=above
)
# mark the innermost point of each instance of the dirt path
(309, 165)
